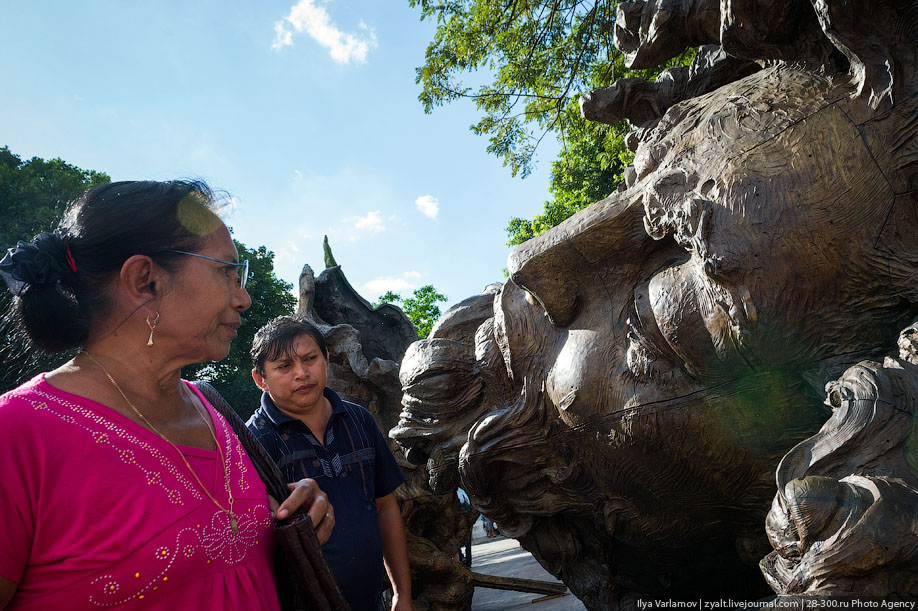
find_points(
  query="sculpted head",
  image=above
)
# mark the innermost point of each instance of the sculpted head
(652, 358)
(696, 315)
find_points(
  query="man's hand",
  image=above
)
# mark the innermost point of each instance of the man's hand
(395, 551)
(400, 604)
(307, 494)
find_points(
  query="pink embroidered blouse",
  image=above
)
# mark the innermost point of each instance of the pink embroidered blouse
(97, 512)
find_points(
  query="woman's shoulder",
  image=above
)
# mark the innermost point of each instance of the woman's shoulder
(37, 403)
(24, 413)
(25, 394)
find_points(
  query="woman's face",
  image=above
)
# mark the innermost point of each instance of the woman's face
(200, 315)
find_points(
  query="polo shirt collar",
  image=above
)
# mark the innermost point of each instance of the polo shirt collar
(336, 402)
(279, 418)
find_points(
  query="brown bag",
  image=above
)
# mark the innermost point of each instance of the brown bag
(304, 581)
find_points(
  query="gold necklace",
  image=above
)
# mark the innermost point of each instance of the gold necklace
(226, 478)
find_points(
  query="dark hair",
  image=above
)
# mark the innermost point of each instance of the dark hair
(277, 337)
(97, 234)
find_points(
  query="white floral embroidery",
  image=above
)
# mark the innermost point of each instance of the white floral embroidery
(217, 540)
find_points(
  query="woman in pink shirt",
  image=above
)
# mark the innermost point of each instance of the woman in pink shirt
(120, 485)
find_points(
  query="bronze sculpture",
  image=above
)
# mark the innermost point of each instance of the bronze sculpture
(621, 404)
(843, 521)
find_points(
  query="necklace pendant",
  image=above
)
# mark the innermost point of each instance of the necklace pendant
(233, 525)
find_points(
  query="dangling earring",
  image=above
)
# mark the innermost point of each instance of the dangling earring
(152, 324)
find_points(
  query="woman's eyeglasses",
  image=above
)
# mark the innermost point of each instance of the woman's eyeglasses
(242, 268)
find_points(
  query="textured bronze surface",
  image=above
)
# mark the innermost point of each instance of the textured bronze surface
(622, 403)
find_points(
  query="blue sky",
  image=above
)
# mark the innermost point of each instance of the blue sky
(306, 113)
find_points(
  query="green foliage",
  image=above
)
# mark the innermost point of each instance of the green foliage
(539, 55)
(271, 297)
(588, 169)
(34, 194)
(33, 197)
(421, 308)
(388, 297)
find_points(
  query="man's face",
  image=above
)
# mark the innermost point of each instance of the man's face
(296, 380)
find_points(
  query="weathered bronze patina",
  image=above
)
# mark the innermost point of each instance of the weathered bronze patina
(622, 403)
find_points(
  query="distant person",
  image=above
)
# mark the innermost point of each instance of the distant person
(464, 502)
(465, 506)
(311, 432)
(120, 485)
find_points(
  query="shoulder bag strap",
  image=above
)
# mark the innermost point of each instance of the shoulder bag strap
(304, 580)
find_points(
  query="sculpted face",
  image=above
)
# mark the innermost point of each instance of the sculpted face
(653, 357)
(700, 301)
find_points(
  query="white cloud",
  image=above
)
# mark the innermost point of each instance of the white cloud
(290, 252)
(371, 222)
(282, 36)
(315, 22)
(404, 285)
(428, 205)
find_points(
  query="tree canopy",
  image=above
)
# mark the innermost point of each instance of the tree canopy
(538, 54)
(588, 169)
(421, 308)
(34, 194)
(33, 197)
(529, 61)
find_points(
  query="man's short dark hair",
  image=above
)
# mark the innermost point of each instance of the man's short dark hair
(276, 338)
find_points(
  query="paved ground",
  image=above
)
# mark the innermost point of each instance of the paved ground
(504, 557)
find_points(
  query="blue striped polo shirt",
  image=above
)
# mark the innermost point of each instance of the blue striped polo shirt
(354, 466)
